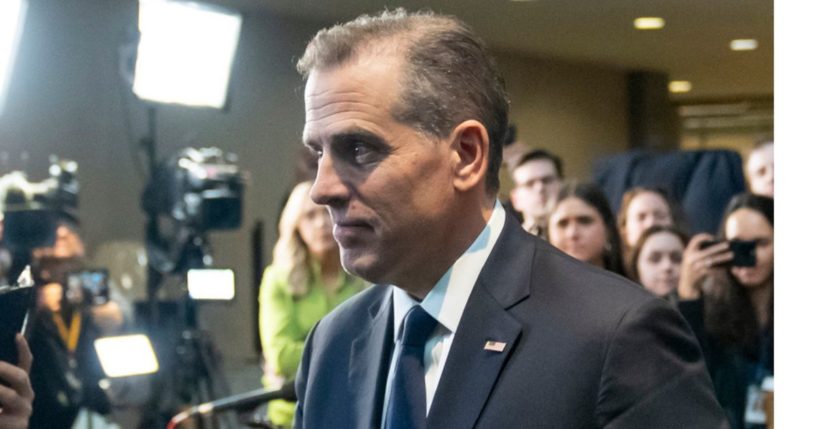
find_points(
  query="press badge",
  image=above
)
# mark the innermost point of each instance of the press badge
(755, 402)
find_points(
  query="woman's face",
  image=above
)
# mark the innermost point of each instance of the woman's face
(645, 210)
(577, 229)
(748, 224)
(315, 229)
(659, 263)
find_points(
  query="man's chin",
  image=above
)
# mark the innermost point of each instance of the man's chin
(365, 266)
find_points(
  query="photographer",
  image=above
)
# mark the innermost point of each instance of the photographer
(730, 307)
(16, 394)
(66, 370)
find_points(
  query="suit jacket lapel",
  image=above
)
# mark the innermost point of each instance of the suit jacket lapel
(369, 363)
(474, 364)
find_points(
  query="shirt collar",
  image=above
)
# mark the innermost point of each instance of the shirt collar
(446, 300)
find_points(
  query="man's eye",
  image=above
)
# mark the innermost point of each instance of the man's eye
(362, 153)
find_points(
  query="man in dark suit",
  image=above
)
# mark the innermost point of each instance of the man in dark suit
(472, 322)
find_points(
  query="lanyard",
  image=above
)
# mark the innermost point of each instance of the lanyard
(69, 335)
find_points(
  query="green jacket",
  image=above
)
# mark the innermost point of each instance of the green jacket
(285, 321)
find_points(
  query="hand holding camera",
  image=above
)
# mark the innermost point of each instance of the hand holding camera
(699, 259)
(16, 394)
(704, 254)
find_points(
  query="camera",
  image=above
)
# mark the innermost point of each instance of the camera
(15, 303)
(744, 251)
(197, 188)
(31, 209)
(88, 287)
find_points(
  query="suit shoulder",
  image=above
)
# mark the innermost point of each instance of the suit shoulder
(357, 310)
(564, 271)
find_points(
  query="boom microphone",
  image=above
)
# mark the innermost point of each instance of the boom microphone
(241, 402)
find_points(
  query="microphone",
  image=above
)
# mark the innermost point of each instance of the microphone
(241, 402)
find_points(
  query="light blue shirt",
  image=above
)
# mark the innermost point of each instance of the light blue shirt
(446, 303)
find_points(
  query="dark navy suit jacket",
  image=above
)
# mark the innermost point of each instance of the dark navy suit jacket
(584, 349)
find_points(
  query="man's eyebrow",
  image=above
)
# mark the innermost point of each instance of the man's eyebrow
(349, 136)
(357, 135)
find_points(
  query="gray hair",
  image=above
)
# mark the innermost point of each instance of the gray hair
(450, 77)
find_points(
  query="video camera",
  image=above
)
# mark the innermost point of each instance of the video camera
(191, 193)
(198, 188)
(31, 209)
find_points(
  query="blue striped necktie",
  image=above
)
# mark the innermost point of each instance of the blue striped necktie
(407, 401)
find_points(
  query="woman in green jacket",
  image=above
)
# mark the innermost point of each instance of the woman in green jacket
(304, 282)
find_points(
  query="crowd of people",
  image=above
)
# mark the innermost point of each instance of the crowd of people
(728, 303)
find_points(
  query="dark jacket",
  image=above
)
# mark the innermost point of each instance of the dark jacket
(585, 349)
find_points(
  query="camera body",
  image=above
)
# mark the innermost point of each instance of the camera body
(89, 287)
(744, 251)
(31, 209)
(198, 188)
(15, 304)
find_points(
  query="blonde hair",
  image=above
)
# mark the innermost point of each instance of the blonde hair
(290, 254)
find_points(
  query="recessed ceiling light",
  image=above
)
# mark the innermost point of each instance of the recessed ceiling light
(680, 86)
(743, 44)
(648, 23)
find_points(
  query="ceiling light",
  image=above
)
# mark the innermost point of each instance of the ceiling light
(743, 44)
(11, 26)
(648, 23)
(185, 52)
(680, 86)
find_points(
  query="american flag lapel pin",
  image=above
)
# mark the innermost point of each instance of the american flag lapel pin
(495, 346)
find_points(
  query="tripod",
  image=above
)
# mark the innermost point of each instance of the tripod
(190, 371)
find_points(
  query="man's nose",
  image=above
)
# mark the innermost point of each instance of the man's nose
(328, 188)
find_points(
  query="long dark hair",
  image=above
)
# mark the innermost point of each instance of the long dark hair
(729, 314)
(594, 197)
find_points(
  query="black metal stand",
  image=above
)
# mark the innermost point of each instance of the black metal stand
(190, 372)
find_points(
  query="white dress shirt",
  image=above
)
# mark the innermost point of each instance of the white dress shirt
(446, 303)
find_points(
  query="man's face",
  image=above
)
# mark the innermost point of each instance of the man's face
(760, 171)
(537, 185)
(388, 187)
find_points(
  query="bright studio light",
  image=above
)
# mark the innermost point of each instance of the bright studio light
(12, 13)
(185, 52)
(126, 355)
(211, 284)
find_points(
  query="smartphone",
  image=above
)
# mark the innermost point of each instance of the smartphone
(87, 287)
(744, 251)
(15, 305)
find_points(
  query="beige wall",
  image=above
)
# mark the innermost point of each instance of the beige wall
(578, 111)
(737, 140)
(67, 98)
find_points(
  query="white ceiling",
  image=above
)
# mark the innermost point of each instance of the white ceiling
(693, 46)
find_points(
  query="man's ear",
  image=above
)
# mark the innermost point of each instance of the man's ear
(469, 154)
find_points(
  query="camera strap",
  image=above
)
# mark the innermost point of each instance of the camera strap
(69, 334)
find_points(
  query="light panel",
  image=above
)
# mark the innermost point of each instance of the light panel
(12, 15)
(126, 355)
(211, 284)
(185, 53)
